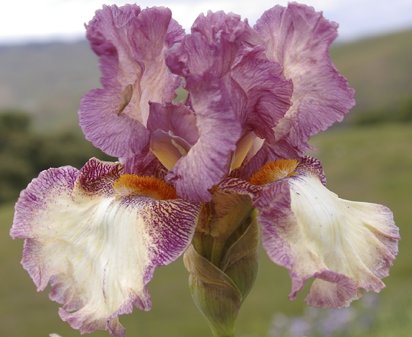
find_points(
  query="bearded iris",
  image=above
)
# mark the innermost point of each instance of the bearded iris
(203, 173)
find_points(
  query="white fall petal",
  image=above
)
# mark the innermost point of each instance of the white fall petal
(345, 246)
(96, 248)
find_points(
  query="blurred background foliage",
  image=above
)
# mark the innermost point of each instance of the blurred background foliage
(367, 157)
(24, 152)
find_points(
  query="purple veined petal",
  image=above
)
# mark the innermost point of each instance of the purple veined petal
(204, 59)
(173, 131)
(345, 246)
(239, 186)
(176, 119)
(145, 164)
(208, 160)
(116, 135)
(131, 50)
(268, 92)
(298, 38)
(234, 90)
(97, 243)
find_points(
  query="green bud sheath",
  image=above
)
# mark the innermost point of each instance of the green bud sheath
(222, 261)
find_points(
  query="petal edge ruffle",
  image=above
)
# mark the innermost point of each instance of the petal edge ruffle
(345, 246)
(96, 249)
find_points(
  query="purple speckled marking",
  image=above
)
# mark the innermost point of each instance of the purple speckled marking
(33, 199)
(98, 176)
(239, 186)
(311, 166)
(168, 224)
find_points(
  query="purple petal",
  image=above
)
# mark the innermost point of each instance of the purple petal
(145, 164)
(208, 160)
(204, 58)
(345, 246)
(234, 89)
(97, 248)
(131, 50)
(268, 93)
(239, 186)
(298, 38)
(116, 135)
(178, 120)
(268, 152)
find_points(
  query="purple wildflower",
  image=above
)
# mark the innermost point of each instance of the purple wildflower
(207, 166)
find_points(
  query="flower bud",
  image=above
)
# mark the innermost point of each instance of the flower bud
(223, 267)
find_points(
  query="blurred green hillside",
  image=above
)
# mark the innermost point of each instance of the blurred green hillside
(380, 70)
(48, 80)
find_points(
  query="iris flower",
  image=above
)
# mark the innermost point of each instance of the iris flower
(228, 150)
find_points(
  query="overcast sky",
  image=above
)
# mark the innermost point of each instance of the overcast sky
(27, 20)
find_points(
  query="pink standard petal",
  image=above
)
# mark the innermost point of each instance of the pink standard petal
(266, 90)
(233, 88)
(298, 38)
(97, 249)
(345, 246)
(131, 51)
(176, 119)
(209, 158)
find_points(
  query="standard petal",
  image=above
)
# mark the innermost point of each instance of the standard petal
(208, 160)
(131, 50)
(98, 248)
(204, 61)
(178, 120)
(298, 38)
(267, 91)
(234, 90)
(345, 246)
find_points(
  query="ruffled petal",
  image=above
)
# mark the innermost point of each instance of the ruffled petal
(208, 160)
(345, 246)
(95, 244)
(177, 120)
(267, 92)
(131, 50)
(233, 88)
(298, 38)
(204, 62)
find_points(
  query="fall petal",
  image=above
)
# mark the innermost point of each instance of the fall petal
(97, 248)
(345, 246)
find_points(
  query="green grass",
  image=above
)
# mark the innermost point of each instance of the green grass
(371, 164)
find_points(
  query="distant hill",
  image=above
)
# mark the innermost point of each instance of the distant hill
(379, 68)
(48, 80)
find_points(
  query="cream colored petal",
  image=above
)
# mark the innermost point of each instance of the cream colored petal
(97, 249)
(346, 246)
